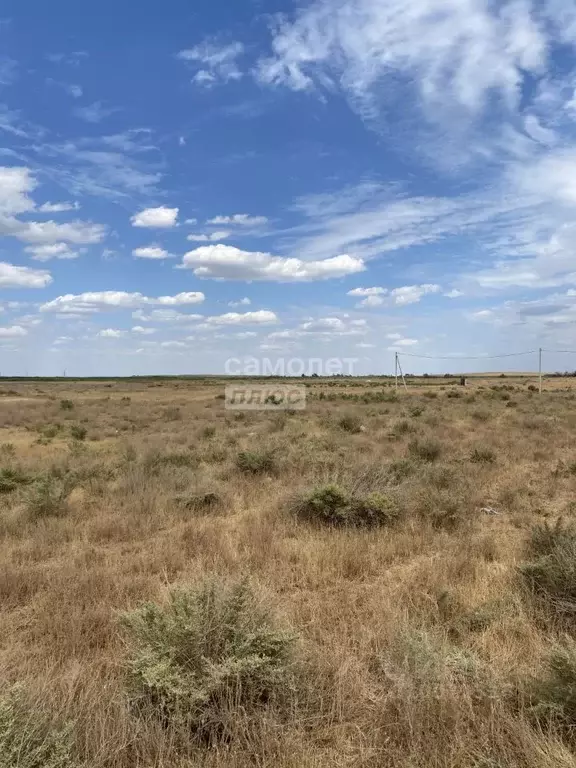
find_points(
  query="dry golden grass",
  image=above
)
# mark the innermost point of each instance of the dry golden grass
(418, 641)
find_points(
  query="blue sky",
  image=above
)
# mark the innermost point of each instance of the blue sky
(189, 182)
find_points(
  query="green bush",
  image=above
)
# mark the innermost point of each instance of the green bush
(331, 505)
(554, 694)
(552, 574)
(29, 740)
(66, 405)
(256, 462)
(425, 449)
(49, 497)
(78, 432)
(208, 657)
(11, 478)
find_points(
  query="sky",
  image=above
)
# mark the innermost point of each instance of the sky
(193, 183)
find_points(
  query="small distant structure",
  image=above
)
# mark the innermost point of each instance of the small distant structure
(462, 381)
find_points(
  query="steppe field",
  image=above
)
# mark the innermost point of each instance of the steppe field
(380, 580)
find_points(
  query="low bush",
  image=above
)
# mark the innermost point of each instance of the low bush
(66, 405)
(78, 432)
(49, 497)
(425, 449)
(330, 505)
(554, 694)
(350, 423)
(208, 659)
(552, 572)
(29, 740)
(11, 478)
(483, 455)
(256, 462)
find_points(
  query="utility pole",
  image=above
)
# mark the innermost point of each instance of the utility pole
(540, 370)
(396, 370)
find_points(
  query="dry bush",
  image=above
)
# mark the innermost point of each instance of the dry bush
(210, 655)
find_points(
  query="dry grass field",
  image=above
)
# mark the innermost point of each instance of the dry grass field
(379, 580)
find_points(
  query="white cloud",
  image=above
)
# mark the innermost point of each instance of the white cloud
(411, 294)
(375, 291)
(12, 276)
(229, 263)
(211, 238)
(156, 218)
(191, 221)
(372, 301)
(245, 302)
(323, 329)
(16, 184)
(58, 207)
(393, 336)
(94, 113)
(12, 332)
(143, 331)
(453, 294)
(172, 344)
(110, 333)
(449, 55)
(98, 301)
(166, 316)
(240, 219)
(151, 252)
(260, 317)
(51, 251)
(216, 63)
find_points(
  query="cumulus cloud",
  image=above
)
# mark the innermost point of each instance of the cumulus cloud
(12, 276)
(51, 251)
(215, 63)
(375, 291)
(150, 252)
(16, 185)
(172, 344)
(139, 329)
(323, 328)
(372, 301)
(411, 294)
(156, 218)
(110, 333)
(58, 207)
(240, 219)
(12, 332)
(100, 301)
(260, 317)
(245, 302)
(229, 263)
(210, 238)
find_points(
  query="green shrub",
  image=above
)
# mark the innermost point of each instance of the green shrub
(350, 423)
(49, 497)
(552, 574)
(66, 405)
(331, 505)
(49, 431)
(210, 656)
(172, 413)
(256, 462)
(483, 455)
(28, 739)
(78, 432)
(208, 431)
(425, 449)
(11, 478)
(402, 427)
(554, 694)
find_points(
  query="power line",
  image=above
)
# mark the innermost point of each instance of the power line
(562, 351)
(469, 357)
